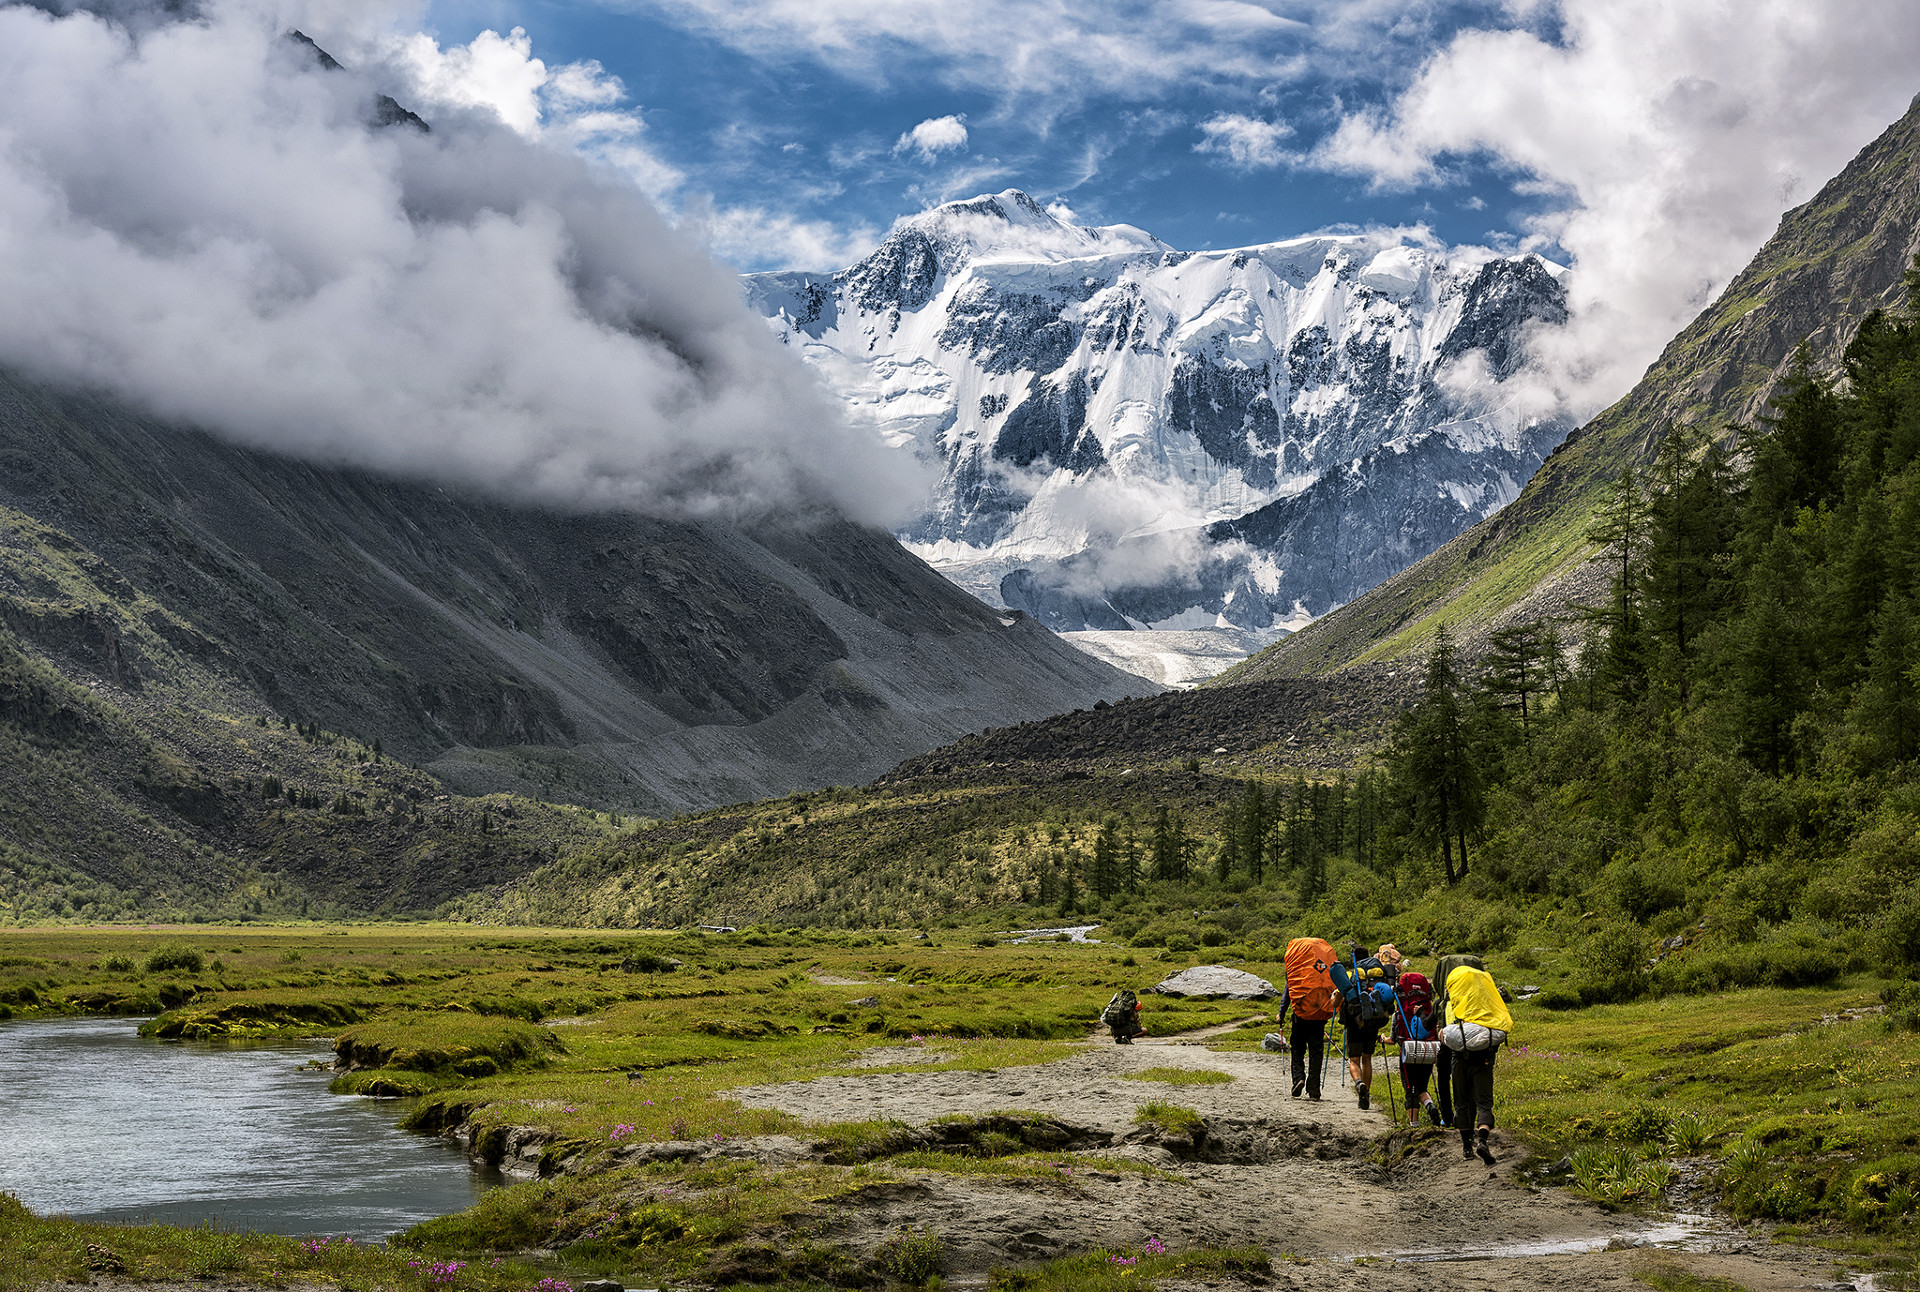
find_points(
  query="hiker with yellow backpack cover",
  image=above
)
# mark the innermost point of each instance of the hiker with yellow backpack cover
(1477, 1026)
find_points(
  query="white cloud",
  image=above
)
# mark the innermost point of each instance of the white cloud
(1675, 134)
(1246, 142)
(200, 219)
(934, 136)
(751, 238)
(1023, 48)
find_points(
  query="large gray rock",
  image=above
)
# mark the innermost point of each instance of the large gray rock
(1216, 982)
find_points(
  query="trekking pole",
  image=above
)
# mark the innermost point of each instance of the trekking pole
(1386, 1063)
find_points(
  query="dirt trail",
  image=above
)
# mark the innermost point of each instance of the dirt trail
(1288, 1174)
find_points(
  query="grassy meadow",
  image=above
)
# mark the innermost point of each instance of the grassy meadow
(570, 1052)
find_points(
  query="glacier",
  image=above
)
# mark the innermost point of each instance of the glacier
(1134, 438)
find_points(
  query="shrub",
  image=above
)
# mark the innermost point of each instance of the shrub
(1611, 965)
(118, 964)
(175, 955)
(1559, 998)
(912, 1258)
(1180, 943)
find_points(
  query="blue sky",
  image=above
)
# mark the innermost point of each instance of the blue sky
(1651, 146)
(774, 116)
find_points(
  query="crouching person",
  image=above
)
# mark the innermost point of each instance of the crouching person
(1477, 1026)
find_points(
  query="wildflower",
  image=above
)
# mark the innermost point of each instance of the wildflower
(1123, 1260)
(620, 1132)
(1154, 1247)
(553, 1285)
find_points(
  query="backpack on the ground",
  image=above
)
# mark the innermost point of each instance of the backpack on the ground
(1121, 1008)
(1310, 990)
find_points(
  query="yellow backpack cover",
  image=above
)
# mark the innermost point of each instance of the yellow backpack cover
(1473, 997)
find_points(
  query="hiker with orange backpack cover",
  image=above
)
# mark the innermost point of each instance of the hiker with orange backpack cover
(1310, 993)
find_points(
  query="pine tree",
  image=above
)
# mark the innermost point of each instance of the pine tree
(1517, 663)
(1251, 832)
(1769, 674)
(1886, 709)
(1433, 759)
(1620, 527)
(1693, 523)
(1165, 862)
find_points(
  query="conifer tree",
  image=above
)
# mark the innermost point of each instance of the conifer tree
(1435, 761)
(1886, 709)
(1620, 526)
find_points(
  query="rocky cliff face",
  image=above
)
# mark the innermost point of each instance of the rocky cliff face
(1131, 436)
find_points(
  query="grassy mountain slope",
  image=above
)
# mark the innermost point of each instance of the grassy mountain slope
(184, 623)
(1830, 263)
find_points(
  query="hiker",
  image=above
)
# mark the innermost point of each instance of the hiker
(1443, 1070)
(1366, 1007)
(1310, 993)
(1416, 1028)
(1477, 1026)
(1362, 1035)
(1122, 1017)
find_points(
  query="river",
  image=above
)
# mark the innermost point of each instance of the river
(100, 1123)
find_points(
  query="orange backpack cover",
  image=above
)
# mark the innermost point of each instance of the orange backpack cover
(1310, 990)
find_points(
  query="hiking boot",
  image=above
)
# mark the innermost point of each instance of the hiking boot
(1360, 1089)
(1313, 1094)
(1299, 1084)
(1480, 1146)
(1433, 1115)
(1466, 1148)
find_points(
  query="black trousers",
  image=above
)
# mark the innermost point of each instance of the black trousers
(1308, 1042)
(1443, 1078)
(1473, 1089)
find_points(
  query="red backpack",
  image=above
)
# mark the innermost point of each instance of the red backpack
(1310, 990)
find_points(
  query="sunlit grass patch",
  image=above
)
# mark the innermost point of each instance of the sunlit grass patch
(1181, 1076)
(36, 1251)
(1171, 1118)
(1112, 1269)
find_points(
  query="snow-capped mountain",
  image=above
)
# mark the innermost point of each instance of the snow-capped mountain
(1133, 436)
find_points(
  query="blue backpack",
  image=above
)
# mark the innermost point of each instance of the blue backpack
(1370, 997)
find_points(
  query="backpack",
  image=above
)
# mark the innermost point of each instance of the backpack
(1416, 1000)
(1120, 1008)
(1363, 986)
(1310, 990)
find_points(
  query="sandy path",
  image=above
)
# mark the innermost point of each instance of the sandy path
(1290, 1175)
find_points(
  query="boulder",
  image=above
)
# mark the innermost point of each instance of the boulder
(1216, 982)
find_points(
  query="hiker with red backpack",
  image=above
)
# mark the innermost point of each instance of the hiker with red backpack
(1310, 992)
(1416, 1028)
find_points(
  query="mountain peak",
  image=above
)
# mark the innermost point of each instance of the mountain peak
(1012, 224)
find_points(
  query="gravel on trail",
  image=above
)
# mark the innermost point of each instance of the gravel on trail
(1305, 1180)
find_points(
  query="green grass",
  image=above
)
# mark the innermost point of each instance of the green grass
(36, 1251)
(1171, 1118)
(1113, 1269)
(1181, 1076)
(1812, 1117)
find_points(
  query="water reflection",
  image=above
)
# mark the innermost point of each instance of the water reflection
(101, 1124)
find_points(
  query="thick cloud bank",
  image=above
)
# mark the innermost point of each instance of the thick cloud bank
(1676, 133)
(200, 217)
